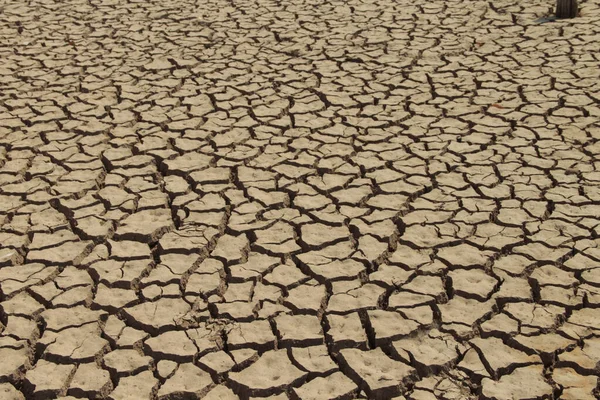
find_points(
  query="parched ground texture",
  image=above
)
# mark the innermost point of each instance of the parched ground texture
(299, 199)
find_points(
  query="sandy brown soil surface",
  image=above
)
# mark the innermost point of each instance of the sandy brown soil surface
(299, 200)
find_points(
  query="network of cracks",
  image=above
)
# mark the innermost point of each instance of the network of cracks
(308, 199)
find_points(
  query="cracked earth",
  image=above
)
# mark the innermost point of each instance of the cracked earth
(299, 200)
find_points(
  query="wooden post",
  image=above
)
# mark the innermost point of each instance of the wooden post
(566, 8)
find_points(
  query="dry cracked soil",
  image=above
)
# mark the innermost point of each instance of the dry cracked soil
(304, 199)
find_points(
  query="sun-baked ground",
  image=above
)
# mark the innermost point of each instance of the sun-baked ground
(299, 199)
